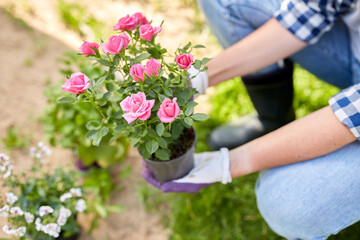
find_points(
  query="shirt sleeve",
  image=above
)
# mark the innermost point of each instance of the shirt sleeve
(310, 19)
(346, 106)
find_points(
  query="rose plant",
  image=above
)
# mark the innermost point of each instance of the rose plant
(144, 93)
(40, 205)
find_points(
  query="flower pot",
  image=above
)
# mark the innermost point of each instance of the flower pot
(174, 168)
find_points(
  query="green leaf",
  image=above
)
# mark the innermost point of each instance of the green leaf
(100, 134)
(160, 129)
(93, 125)
(169, 92)
(161, 97)
(162, 142)
(141, 57)
(100, 209)
(152, 94)
(197, 64)
(166, 134)
(162, 155)
(134, 141)
(91, 134)
(177, 130)
(205, 61)
(189, 110)
(188, 121)
(199, 46)
(66, 100)
(152, 146)
(152, 132)
(116, 59)
(100, 81)
(106, 96)
(187, 46)
(192, 104)
(105, 62)
(200, 117)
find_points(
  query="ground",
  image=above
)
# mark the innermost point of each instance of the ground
(28, 63)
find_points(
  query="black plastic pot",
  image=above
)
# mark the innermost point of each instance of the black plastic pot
(174, 168)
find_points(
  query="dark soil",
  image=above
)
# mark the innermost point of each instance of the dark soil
(183, 144)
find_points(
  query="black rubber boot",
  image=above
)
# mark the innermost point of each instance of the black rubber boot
(272, 95)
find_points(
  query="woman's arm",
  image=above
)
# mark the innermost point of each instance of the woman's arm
(312, 136)
(265, 46)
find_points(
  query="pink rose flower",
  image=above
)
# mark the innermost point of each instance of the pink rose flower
(126, 23)
(137, 72)
(184, 61)
(141, 20)
(116, 44)
(168, 110)
(152, 67)
(136, 107)
(147, 31)
(77, 83)
(86, 48)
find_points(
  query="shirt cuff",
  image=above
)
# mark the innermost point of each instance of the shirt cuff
(303, 20)
(346, 106)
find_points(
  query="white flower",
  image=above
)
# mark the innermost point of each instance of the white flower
(20, 232)
(40, 144)
(52, 229)
(76, 192)
(65, 196)
(17, 211)
(38, 224)
(4, 211)
(11, 198)
(29, 218)
(4, 157)
(7, 229)
(44, 210)
(46, 150)
(33, 151)
(80, 205)
(7, 174)
(64, 214)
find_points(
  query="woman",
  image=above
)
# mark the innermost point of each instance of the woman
(309, 185)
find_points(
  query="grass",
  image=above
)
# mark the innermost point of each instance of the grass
(230, 211)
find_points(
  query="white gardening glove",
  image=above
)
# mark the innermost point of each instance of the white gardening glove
(209, 168)
(199, 80)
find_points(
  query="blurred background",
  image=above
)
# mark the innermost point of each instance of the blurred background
(38, 45)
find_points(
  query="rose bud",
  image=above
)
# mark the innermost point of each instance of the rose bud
(77, 83)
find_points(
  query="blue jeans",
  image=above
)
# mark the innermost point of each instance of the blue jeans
(313, 199)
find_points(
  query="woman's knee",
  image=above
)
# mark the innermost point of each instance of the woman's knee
(312, 199)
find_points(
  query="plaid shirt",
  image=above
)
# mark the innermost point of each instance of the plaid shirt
(310, 19)
(346, 106)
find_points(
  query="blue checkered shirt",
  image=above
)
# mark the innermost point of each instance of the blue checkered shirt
(346, 106)
(310, 19)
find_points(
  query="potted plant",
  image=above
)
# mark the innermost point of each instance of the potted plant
(40, 205)
(65, 124)
(144, 93)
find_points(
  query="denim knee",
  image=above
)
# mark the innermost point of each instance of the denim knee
(314, 199)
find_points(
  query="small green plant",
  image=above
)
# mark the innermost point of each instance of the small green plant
(15, 139)
(40, 205)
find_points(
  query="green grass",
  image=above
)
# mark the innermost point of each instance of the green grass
(230, 211)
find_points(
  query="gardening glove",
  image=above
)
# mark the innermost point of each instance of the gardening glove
(209, 167)
(200, 82)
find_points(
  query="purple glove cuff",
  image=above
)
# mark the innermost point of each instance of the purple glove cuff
(171, 186)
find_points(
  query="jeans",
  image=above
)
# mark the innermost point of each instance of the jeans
(330, 59)
(309, 200)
